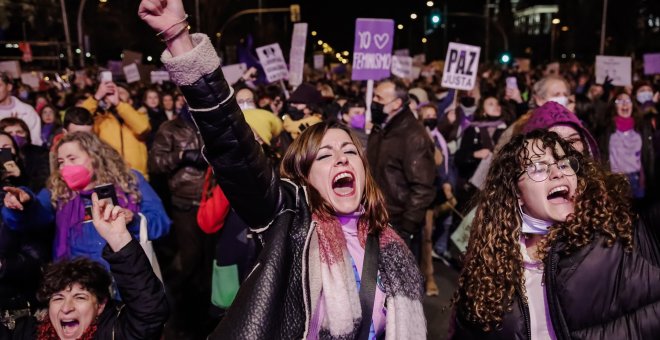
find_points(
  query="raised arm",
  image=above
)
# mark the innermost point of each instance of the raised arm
(242, 170)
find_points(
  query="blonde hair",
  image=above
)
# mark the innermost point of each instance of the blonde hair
(108, 165)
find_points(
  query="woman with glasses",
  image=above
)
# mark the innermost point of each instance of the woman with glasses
(555, 251)
(627, 145)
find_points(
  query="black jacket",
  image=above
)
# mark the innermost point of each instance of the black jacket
(274, 301)
(594, 293)
(401, 158)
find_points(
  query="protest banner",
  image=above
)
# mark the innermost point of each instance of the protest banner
(372, 51)
(32, 79)
(115, 66)
(132, 73)
(404, 52)
(402, 66)
(234, 72)
(651, 63)
(273, 63)
(319, 60)
(158, 77)
(297, 54)
(460, 69)
(11, 67)
(619, 69)
(130, 57)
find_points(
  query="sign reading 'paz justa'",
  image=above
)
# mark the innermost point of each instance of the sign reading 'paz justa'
(461, 64)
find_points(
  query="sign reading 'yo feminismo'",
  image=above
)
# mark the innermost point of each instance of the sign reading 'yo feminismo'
(372, 51)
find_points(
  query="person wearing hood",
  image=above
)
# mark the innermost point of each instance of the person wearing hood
(33, 159)
(303, 110)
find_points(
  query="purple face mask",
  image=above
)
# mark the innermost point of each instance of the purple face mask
(20, 140)
(358, 121)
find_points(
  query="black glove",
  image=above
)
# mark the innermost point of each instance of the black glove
(193, 158)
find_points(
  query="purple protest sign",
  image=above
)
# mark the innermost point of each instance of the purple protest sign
(372, 51)
(651, 63)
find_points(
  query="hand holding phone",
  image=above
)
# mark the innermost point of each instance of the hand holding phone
(511, 83)
(107, 192)
(106, 76)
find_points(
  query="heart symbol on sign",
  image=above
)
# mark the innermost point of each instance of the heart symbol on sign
(381, 40)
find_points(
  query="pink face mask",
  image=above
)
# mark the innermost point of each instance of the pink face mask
(77, 177)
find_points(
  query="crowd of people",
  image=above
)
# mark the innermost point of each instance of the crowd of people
(282, 212)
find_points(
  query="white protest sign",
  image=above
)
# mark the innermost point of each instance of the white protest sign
(12, 68)
(297, 55)
(419, 59)
(619, 69)
(402, 66)
(402, 52)
(31, 79)
(272, 60)
(234, 72)
(318, 61)
(158, 77)
(461, 63)
(132, 73)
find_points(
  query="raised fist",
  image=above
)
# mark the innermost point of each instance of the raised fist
(161, 14)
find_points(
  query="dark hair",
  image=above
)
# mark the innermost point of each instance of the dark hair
(241, 88)
(5, 78)
(400, 90)
(636, 114)
(13, 121)
(56, 112)
(77, 115)
(90, 275)
(351, 103)
(298, 161)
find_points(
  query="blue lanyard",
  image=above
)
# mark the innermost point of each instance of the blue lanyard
(372, 331)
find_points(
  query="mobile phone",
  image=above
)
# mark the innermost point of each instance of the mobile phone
(5, 155)
(106, 76)
(511, 83)
(107, 192)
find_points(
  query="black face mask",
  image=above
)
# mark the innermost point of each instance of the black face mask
(467, 101)
(431, 123)
(295, 113)
(378, 116)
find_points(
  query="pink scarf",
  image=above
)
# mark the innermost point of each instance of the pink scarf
(624, 124)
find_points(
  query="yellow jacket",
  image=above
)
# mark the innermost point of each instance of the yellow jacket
(295, 127)
(264, 123)
(126, 138)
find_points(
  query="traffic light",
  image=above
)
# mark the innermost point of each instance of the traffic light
(435, 17)
(505, 58)
(295, 12)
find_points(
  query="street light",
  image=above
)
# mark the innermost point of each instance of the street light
(413, 16)
(564, 28)
(556, 21)
(320, 42)
(553, 36)
(424, 40)
(399, 26)
(429, 4)
(313, 33)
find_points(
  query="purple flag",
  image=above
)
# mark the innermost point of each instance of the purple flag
(372, 52)
(651, 63)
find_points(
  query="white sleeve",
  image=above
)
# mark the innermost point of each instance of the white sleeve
(34, 124)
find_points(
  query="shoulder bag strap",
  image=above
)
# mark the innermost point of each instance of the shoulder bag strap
(368, 284)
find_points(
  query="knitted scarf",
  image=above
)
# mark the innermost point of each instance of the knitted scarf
(399, 274)
(46, 331)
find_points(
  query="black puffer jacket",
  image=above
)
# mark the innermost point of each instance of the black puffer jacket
(594, 293)
(401, 159)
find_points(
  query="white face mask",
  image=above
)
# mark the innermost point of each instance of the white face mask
(644, 96)
(246, 106)
(561, 100)
(531, 225)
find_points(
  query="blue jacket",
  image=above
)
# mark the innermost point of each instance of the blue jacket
(85, 241)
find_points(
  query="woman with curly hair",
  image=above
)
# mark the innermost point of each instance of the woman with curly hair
(81, 161)
(555, 251)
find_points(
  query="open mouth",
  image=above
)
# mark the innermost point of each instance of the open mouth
(69, 327)
(560, 194)
(343, 184)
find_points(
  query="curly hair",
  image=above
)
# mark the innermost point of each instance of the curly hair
(89, 274)
(493, 269)
(108, 165)
(297, 163)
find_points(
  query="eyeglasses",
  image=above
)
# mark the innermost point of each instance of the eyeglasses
(622, 101)
(540, 171)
